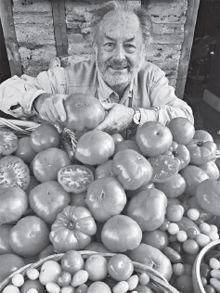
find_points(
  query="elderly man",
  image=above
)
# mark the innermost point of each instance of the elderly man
(131, 89)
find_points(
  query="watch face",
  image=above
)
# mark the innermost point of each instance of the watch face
(137, 117)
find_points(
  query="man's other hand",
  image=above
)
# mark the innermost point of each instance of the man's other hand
(50, 107)
(118, 118)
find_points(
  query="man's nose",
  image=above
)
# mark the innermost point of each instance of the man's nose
(119, 53)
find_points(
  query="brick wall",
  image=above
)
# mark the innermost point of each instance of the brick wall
(35, 32)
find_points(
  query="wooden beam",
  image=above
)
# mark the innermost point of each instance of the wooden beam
(191, 17)
(59, 17)
(11, 43)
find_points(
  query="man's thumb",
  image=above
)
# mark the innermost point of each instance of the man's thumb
(107, 106)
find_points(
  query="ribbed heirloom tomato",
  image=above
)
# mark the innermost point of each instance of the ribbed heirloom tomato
(8, 142)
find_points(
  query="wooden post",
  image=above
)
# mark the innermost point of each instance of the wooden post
(11, 44)
(191, 17)
(59, 17)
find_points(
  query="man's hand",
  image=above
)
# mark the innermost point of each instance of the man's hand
(50, 107)
(118, 118)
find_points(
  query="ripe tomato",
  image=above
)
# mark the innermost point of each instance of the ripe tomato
(105, 198)
(48, 199)
(25, 150)
(14, 204)
(156, 239)
(131, 169)
(8, 142)
(208, 196)
(75, 178)
(120, 267)
(104, 170)
(83, 112)
(164, 167)
(47, 163)
(96, 266)
(14, 172)
(4, 238)
(203, 135)
(152, 257)
(148, 209)
(121, 233)
(72, 261)
(94, 147)
(43, 137)
(193, 176)
(201, 151)
(72, 229)
(153, 138)
(9, 263)
(182, 130)
(181, 153)
(173, 187)
(211, 169)
(29, 236)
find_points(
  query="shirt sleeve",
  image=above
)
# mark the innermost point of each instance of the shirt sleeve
(18, 93)
(164, 103)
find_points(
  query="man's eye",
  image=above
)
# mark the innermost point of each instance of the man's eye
(109, 45)
(130, 47)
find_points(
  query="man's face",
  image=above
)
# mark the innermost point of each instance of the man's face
(119, 48)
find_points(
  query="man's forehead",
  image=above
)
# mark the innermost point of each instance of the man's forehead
(115, 22)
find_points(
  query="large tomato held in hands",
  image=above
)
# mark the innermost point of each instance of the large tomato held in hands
(153, 138)
(105, 198)
(94, 147)
(131, 169)
(72, 229)
(14, 204)
(121, 233)
(83, 112)
(29, 236)
(47, 163)
(14, 172)
(48, 199)
(75, 178)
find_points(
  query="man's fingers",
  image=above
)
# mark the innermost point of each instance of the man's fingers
(108, 106)
(60, 108)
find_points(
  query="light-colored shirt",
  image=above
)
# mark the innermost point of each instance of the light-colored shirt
(149, 91)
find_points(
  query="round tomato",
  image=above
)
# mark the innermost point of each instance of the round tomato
(75, 178)
(121, 233)
(164, 167)
(48, 199)
(157, 238)
(201, 151)
(173, 187)
(29, 236)
(120, 267)
(203, 135)
(72, 261)
(193, 176)
(182, 130)
(43, 137)
(104, 170)
(148, 209)
(47, 163)
(94, 147)
(208, 196)
(4, 238)
(9, 263)
(8, 142)
(131, 169)
(14, 204)
(14, 172)
(72, 229)
(211, 169)
(152, 257)
(25, 150)
(83, 112)
(105, 198)
(153, 138)
(181, 153)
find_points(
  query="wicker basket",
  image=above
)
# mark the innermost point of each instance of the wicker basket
(158, 283)
(196, 272)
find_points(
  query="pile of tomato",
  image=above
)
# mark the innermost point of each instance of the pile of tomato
(154, 197)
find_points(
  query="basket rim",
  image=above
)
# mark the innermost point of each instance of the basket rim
(198, 261)
(155, 276)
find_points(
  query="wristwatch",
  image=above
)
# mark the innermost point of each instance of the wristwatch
(137, 116)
